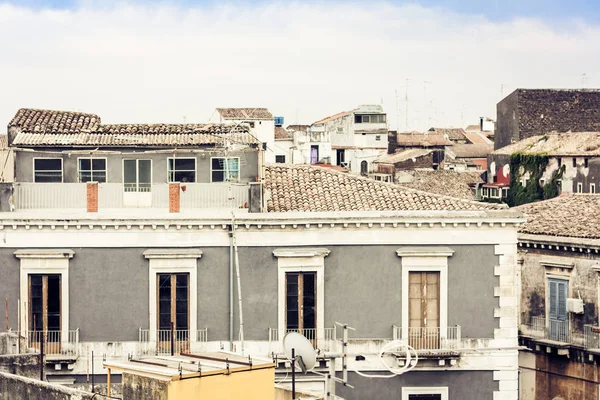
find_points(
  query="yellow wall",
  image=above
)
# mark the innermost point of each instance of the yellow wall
(255, 384)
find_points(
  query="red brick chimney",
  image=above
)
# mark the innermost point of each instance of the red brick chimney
(174, 197)
(92, 196)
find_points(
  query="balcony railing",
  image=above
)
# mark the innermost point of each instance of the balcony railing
(111, 195)
(161, 341)
(55, 342)
(552, 329)
(591, 337)
(323, 339)
(422, 338)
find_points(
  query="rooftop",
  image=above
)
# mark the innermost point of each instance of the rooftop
(282, 134)
(448, 183)
(245, 113)
(418, 139)
(332, 117)
(311, 189)
(401, 155)
(63, 128)
(569, 215)
(472, 150)
(478, 137)
(451, 133)
(557, 144)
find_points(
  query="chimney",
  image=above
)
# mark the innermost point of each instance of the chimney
(174, 197)
(92, 196)
(481, 124)
(255, 197)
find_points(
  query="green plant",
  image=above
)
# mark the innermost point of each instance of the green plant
(535, 164)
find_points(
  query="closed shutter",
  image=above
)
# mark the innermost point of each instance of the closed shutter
(562, 300)
(552, 288)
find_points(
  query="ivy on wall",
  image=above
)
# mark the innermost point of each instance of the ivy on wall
(535, 165)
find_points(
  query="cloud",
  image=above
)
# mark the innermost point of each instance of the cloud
(132, 62)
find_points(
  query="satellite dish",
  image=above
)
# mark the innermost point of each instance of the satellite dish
(306, 357)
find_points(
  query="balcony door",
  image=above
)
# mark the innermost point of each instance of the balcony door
(424, 310)
(558, 318)
(137, 183)
(45, 311)
(301, 303)
(173, 311)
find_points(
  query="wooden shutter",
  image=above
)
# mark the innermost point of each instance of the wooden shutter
(557, 299)
(424, 299)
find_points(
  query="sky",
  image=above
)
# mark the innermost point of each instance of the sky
(429, 63)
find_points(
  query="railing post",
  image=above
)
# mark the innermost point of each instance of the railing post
(172, 339)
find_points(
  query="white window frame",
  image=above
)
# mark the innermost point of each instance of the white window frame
(174, 261)
(91, 169)
(425, 259)
(45, 262)
(62, 168)
(226, 158)
(137, 173)
(406, 391)
(185, 170)
(301, 260)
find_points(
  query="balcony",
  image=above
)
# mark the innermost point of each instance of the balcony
(556, 333)
(323, 340)
(56, 344)
(421, 338)
(29, 196)
(170, 342)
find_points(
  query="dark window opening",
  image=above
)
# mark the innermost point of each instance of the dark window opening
(181, 169)
(47, 170)
(301, 302)
(314, 154)
(574, 162)
(340, 156)
(424, 397)
(364, 167)
(585, 162)
(280, 159)
(92, 170)
(44, 307)
(173, 301)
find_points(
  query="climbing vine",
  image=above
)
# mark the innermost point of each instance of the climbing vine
(535, 165)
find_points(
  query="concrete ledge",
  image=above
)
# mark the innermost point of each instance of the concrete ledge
(16, 387)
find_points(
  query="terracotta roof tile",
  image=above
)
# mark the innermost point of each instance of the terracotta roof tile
(557, 144)
(421, 139)
(472, 150)
(52, 121)
(448, 183)
(451, 133)
(306, 188)
(245, 113)
(570, 215)
(282, 134)
(478, 138)
(332, 117)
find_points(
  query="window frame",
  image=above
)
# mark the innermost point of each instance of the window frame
(441, 390)
(186, 170)
(62, 168)
(92, 169)
(239, 170)
(137, 174)
(280, 162)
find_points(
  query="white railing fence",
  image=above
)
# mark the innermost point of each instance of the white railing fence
(323, 339)
(49, 195)
(429, 338)
(55, 342)
(161, 341)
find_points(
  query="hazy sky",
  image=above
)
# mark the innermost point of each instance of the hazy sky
(175, 61)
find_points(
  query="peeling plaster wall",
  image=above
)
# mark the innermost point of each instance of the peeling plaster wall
(14, 387)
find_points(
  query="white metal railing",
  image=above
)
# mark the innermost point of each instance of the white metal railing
(323, 339)
(111, 195)
(429, 338)
(161, 341)
(55, 342)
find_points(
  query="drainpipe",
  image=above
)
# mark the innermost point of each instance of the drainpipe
(230, 287)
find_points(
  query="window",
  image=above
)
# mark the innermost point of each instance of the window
(301, 290)
(542, 182)
(559, 160)
(378, 137)
(559, 186)
(181, 169)
(280, 159)
(574, 162)
(369, 118)
(340, 156)
(592, 188)
(225, 169)
(424, 309)
(47, 170)
(585, 162)
(91, 169)
(137, 175)
(558, 321)
(314, 154)
(579, 187)
(44, 304)
(424, 393)
(364, 167)
(173, 301)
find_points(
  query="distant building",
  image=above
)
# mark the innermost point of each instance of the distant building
(461, 185)
(455, 135)
(357, 137)
(530, 112)
(467, 157)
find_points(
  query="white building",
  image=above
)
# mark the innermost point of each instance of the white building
(357, 136)
(260, 120)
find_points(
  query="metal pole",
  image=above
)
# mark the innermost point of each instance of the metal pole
(41, 355)
(92, 371)
(18, 326)
(172, 339)
(293, 374)
(6, 314)
(231, 277)
(344, 356)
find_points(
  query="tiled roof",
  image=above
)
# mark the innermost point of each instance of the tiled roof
(448, 183)
(571, 215)
(301, 128)
(306, 188)
(472, 150)
(421, 139)
(245, 113)
(472, 128)
(332, 117)
(141, 135)
(478, 137)
(401, 155)
(451, 133)
(51, 121)
(282, 134)
(557, 144)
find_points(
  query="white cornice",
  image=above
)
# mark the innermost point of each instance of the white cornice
(559, 243)
(424, 251)
(301, 252)
(173, 253)
(44, 253)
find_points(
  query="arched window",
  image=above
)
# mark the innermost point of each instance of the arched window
(364, 166)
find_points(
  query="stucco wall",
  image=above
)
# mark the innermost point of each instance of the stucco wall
(507, 125)
(461, 385)
(16, 387)
(114, 165)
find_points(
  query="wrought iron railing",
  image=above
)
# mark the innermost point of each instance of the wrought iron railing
(323, 339)
(429, 338)
(167, 342)
(54, 342)
(555, 330)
